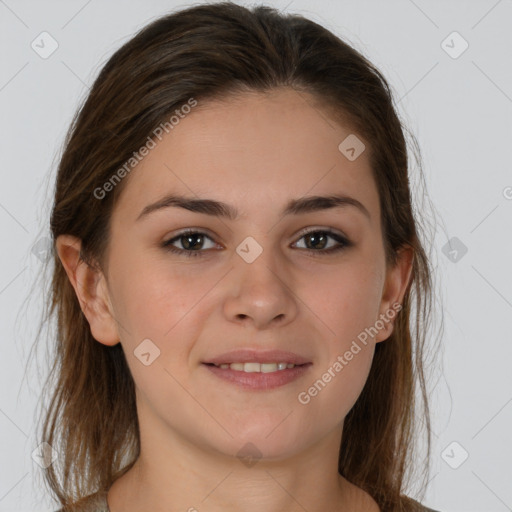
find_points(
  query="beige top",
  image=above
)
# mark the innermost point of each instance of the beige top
(97, 502)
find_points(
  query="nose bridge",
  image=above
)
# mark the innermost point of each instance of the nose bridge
(261, 289)
(257, 265)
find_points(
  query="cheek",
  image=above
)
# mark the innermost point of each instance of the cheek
(337, 383)
(159, 305)
(347, 306)
(153, 297)
(346, 301)
(169, 308)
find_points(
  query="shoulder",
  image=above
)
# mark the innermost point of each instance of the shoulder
(96, 502)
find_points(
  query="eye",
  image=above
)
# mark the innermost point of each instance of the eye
(191, 240)
(318, 239)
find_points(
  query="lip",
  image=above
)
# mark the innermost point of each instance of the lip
(257, 356)
(258, 381)
(255, 381)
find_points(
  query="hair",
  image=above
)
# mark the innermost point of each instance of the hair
(207, 52)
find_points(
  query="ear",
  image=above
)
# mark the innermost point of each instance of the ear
(91, 290)
(397, 281)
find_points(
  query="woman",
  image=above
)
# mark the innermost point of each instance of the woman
(235, 255)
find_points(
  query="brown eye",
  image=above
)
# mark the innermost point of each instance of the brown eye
(317, 241)
(191, 241)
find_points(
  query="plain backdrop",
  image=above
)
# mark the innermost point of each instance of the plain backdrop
(450, 66)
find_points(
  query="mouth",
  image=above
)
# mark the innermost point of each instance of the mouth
(254, 367)
(258, 370)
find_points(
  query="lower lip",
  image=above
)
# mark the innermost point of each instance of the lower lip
(259, 380)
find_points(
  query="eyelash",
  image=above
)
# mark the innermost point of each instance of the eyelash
(321, 252)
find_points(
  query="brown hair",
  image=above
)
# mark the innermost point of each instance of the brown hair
(206, 52)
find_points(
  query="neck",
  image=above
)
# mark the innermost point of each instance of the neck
(173, 473)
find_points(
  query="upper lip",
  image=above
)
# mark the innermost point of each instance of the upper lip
(257, 356)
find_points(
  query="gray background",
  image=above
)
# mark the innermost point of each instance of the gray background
(459, 106)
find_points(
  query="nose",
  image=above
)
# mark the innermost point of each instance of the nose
(259, 293)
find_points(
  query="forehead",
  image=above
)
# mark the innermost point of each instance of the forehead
(251, 150)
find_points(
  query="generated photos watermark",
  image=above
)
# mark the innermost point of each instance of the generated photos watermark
(138, 156)
(304, 397)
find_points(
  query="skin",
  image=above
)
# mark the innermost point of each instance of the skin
(263, 150)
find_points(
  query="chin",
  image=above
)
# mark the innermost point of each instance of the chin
(271, 439)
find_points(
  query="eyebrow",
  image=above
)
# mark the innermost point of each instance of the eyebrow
(220, 209)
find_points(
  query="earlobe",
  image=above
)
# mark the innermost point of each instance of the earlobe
(397, 281)
(90, 288)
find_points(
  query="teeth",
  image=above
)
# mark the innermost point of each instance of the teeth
(269, 367)
(257, 367)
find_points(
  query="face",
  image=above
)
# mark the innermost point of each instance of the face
(306, 283)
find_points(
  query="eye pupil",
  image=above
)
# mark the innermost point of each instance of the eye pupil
(196, 239)
(315, 239)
